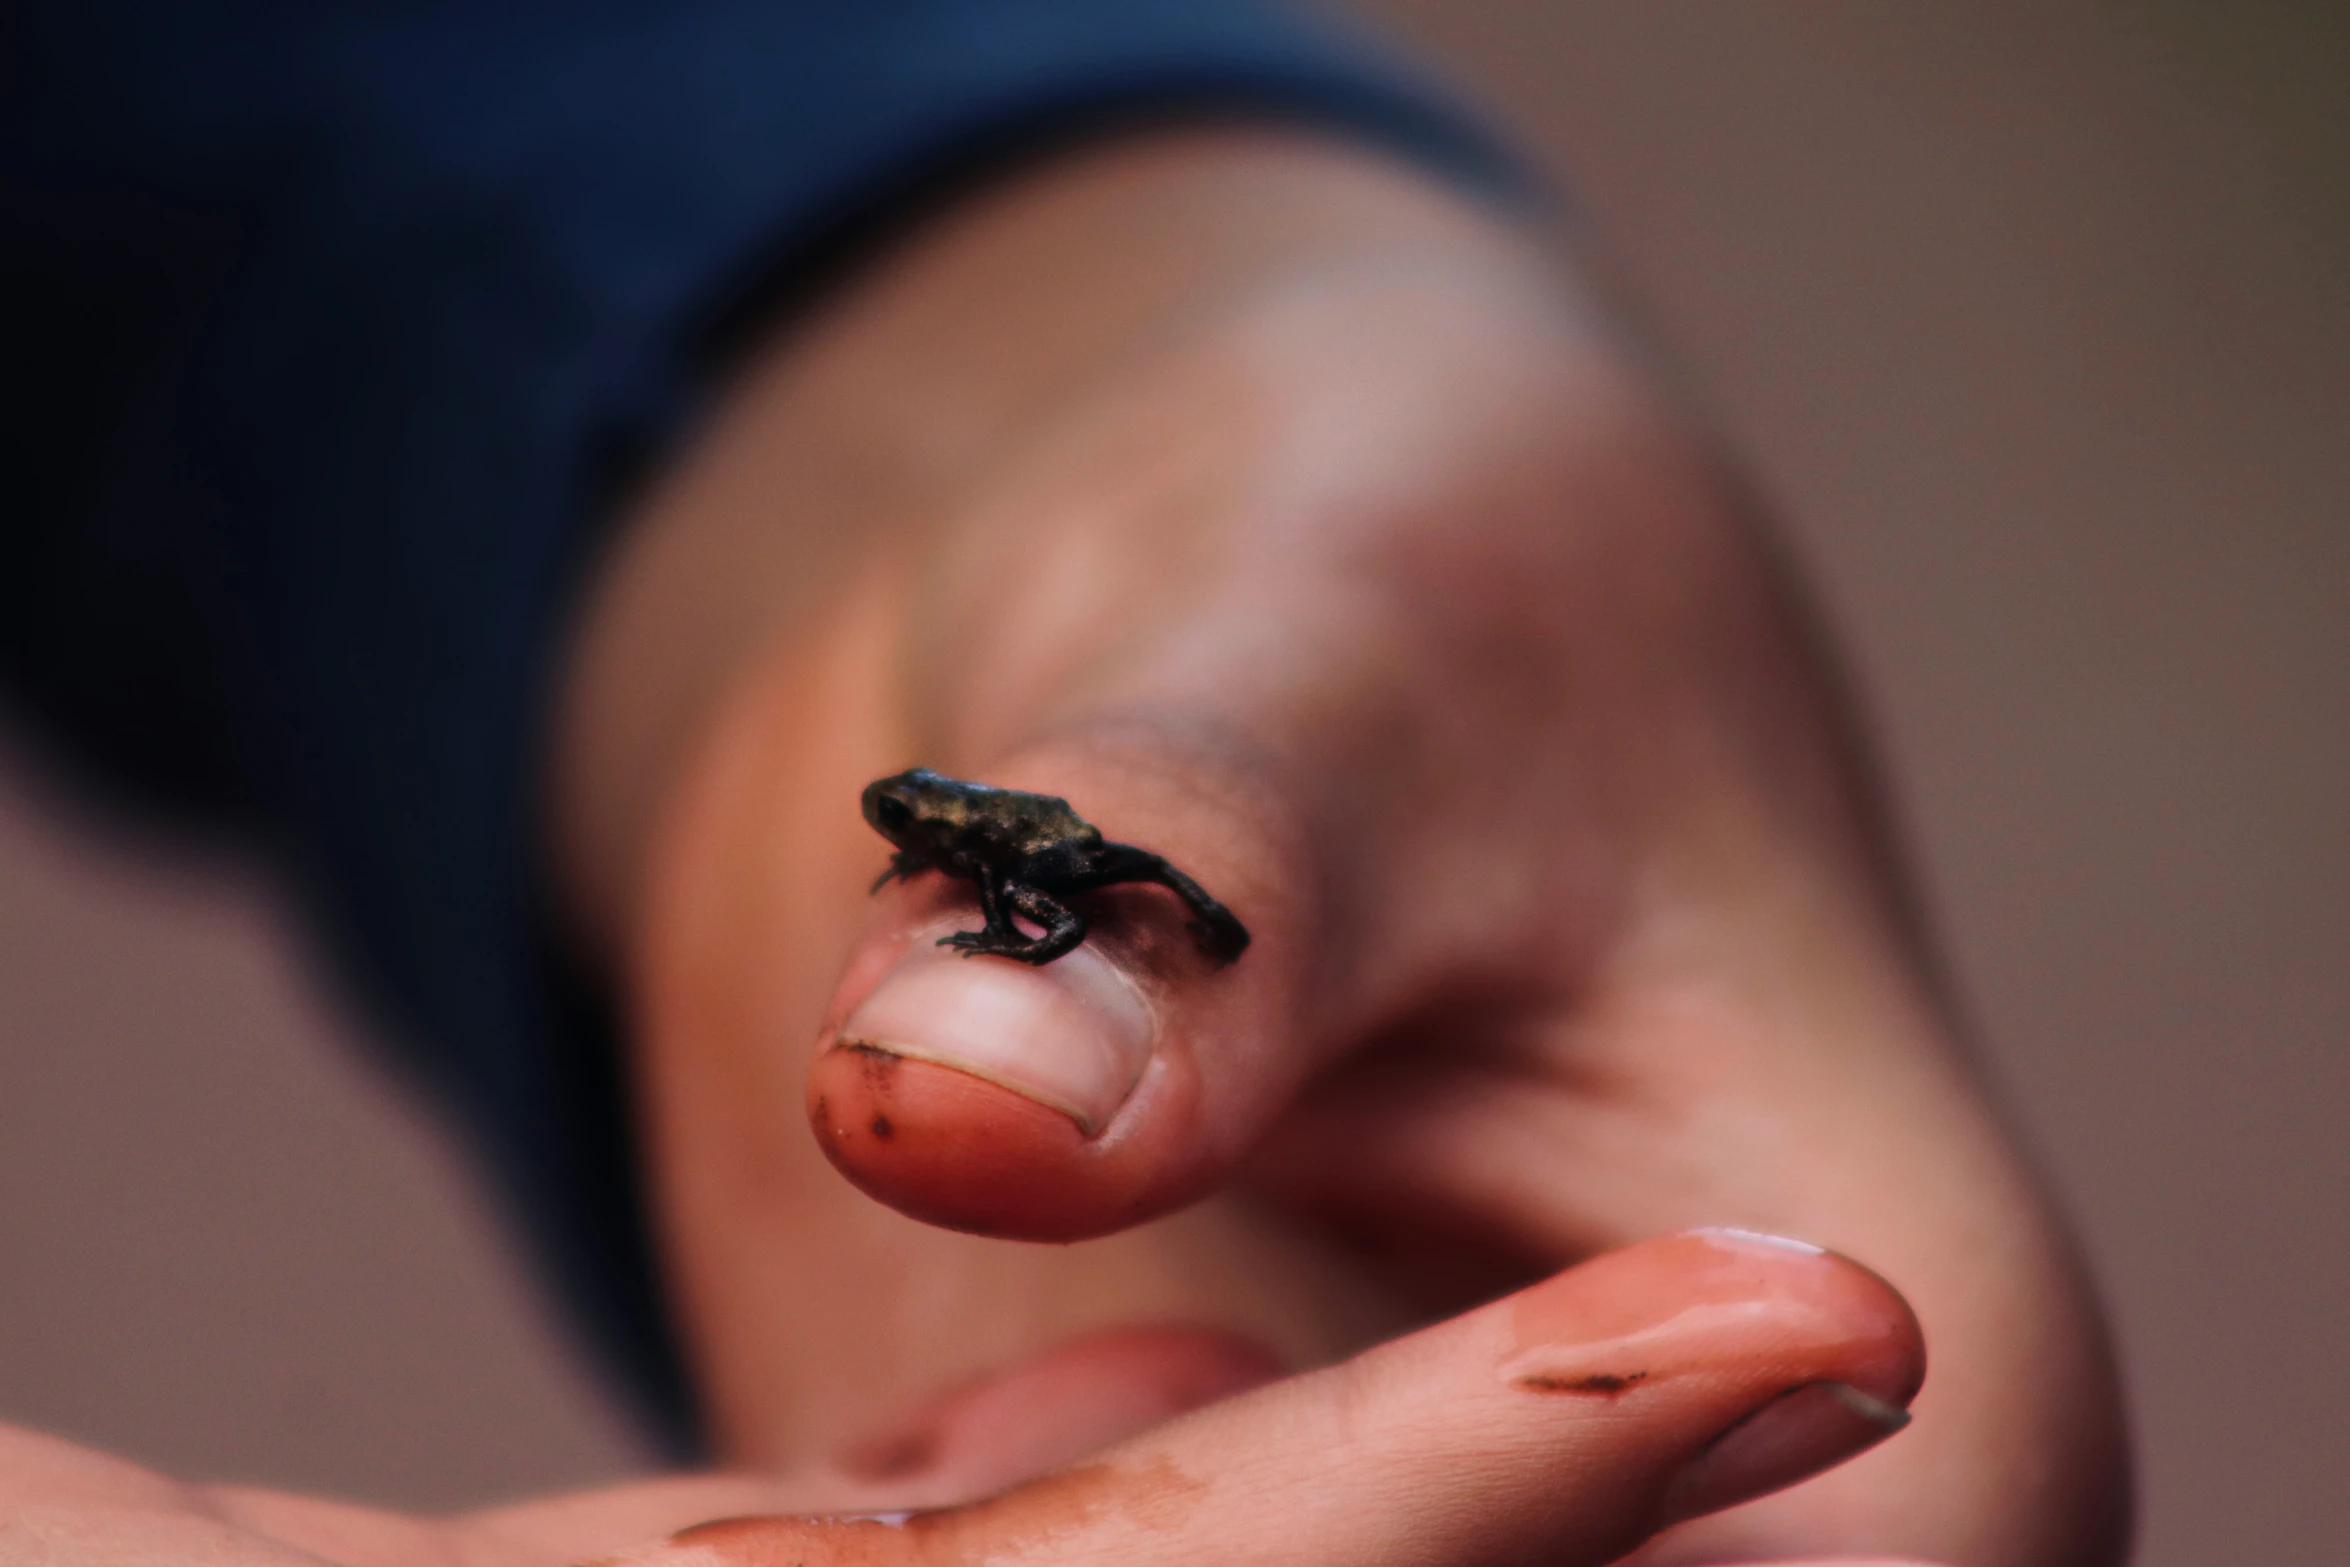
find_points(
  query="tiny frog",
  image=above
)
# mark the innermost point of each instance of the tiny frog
(1026, 852)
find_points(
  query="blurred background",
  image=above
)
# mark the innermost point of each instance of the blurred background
(2034, 324)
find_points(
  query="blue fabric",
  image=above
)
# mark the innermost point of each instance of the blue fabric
(333, 330)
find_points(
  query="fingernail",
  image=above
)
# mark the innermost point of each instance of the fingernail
(1797, 1434)
(1730, 1236)
(1073, 1034)
(1637, 1315)
(1723, 1308)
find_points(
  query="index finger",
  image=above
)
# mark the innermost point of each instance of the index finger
(1563, 1425)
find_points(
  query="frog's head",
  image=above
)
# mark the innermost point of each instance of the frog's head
(911, 808)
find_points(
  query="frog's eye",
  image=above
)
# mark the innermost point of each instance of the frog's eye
(893, 812)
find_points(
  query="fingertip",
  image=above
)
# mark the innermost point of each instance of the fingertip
(1777, 1310)
(1074, 1034)
(1033, 1102)
(1881, 1346)
(941, 1145)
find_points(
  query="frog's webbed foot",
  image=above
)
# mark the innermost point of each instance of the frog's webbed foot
(969, 942)
(1018, 946)
(1064, 927)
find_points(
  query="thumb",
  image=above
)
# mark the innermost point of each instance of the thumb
(1564, 1425)
(1114, 1082)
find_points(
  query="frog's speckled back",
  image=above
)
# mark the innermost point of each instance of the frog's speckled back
(934, 814)
(1028, 824)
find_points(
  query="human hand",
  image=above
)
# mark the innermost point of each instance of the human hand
(1488, 1439)
(1383, 599)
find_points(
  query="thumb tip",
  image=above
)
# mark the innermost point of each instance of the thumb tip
(948, 1147)
(990, 1096)
(1074, 1035)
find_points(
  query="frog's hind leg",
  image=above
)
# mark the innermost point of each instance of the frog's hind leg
(1064, 928)
(1219, 933)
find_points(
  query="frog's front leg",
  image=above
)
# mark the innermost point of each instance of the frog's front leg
(902, 867)
(999, 931)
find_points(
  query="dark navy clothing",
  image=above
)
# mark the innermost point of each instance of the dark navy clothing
(334, 328)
